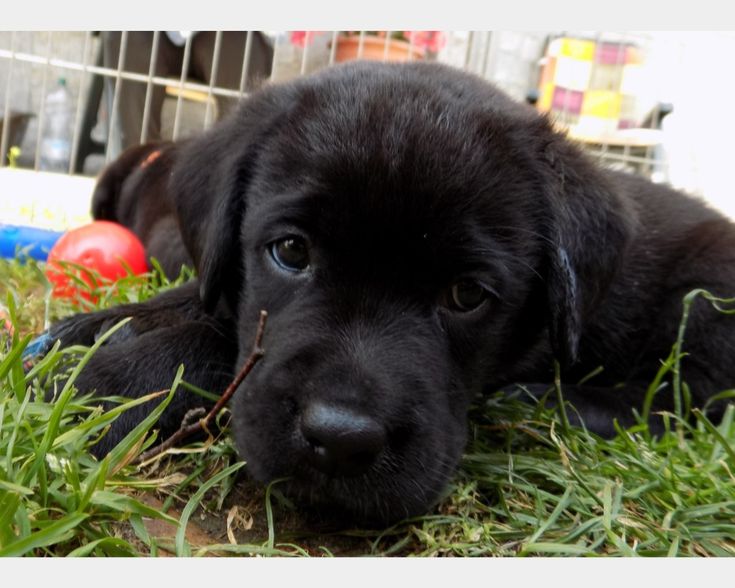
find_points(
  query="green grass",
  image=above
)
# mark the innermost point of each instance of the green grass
(528, 485)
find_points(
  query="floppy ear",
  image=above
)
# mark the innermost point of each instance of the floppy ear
(590, 226)
(209, 185)
(109, 185)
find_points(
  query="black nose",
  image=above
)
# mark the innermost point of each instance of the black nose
(340, 441)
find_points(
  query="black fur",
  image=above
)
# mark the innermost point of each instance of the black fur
(404, 180)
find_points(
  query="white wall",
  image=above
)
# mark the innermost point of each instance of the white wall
(695, 71)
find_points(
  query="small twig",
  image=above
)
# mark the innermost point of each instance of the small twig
(202, 424)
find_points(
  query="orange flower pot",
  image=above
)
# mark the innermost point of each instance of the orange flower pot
(374, 48)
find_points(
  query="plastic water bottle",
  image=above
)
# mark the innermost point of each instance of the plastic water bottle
(57, 132)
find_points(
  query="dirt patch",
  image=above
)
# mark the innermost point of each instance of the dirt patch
(243, 520)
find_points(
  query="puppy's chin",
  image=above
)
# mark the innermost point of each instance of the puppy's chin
(345, 502)
(371, 500)
(400, 484)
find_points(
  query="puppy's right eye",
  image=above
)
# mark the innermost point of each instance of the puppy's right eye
(290, 254)
(464, 296)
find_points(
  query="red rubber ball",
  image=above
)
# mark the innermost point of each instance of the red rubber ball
(101, 246)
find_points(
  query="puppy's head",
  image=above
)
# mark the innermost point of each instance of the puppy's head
(408, 230)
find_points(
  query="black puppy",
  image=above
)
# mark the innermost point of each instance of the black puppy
(417, 238)
(132, 191)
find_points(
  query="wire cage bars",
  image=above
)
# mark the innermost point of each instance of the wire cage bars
(130, 87)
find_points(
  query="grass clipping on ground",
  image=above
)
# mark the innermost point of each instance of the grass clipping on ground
(529, 484)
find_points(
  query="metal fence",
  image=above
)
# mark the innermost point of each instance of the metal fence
(100, 68)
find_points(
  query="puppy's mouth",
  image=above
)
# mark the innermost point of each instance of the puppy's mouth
(369, 477)
(374, 496)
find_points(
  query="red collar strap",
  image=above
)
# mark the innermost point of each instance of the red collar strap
(152, 156)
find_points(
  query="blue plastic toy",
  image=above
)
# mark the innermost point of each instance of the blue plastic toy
(36, 243)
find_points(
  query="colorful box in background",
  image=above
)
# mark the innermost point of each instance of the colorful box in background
(590, 85)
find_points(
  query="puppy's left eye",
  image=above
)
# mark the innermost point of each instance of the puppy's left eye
(464, 296)
(290, 254)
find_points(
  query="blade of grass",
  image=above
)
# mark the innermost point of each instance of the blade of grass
(269, 512)
(123, 453)
(712, 430)
(128, 505)
(83, 429)
(111, 546)
(556, 549)
(54, 533)
(561, 505)
(66, 392)
(182, 546)
(11, 359)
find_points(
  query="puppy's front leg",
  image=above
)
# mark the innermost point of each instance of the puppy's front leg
(165, 332)
(147, 363)
(175, 307)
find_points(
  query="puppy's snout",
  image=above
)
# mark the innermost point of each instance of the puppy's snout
(340, 441)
